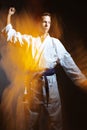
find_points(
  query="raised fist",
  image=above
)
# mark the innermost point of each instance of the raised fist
(11, 10)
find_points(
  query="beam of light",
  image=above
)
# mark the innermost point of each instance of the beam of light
(16, 61)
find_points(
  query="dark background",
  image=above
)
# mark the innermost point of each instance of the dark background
(74, 22)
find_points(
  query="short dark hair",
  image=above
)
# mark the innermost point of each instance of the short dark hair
(46, 14)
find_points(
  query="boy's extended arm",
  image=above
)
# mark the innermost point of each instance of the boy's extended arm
(11, 35)
(10, 13)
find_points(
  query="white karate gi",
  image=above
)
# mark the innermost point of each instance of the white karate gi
(45, 55)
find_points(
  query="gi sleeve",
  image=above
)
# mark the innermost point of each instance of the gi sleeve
(69, 66)
(15, 37)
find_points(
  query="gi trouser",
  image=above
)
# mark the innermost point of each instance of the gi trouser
(41, 115)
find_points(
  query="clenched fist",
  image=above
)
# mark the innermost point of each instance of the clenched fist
(11, 10)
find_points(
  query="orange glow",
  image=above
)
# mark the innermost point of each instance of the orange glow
(16, 62)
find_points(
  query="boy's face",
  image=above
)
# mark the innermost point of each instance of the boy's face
(45, 24)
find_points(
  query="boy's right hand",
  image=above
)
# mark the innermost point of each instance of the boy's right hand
(11, 10)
